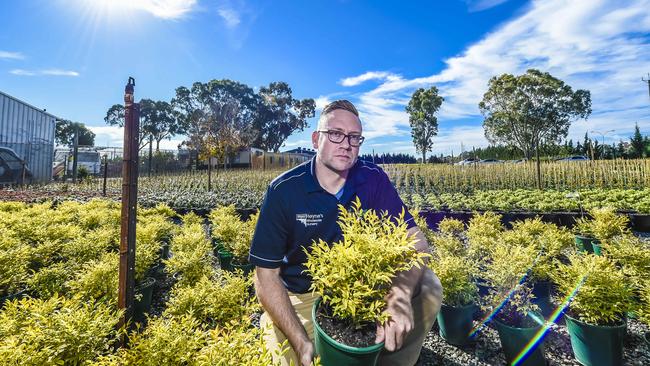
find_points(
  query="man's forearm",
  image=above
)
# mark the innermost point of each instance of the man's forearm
(275, 300)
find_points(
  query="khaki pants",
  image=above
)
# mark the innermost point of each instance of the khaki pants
(426, 305)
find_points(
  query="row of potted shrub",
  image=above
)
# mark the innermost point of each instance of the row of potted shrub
(514, 267)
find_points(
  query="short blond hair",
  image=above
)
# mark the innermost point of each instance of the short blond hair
(337, 104)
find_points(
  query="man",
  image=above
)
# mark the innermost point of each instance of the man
(300, 206)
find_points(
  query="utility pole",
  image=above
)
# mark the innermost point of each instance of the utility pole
(647, 81)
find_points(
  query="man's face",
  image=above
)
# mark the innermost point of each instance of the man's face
(342, 156)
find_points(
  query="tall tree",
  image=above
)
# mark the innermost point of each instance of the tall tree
(217, 116)
(279, 115)
(157, 121)
(65, 130)
(422, 107)
(531, 109)
(637, 143)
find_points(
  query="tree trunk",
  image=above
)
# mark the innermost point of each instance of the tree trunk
(539, 170)
(424, 157)
(150, 153)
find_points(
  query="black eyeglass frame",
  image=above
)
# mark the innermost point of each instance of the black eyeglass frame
(329, 137)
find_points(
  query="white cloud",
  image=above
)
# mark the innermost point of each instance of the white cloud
(480, 5)
(370, 75)
(11, 55)
(321, 102)
(166, 9)
(601, 46)
(230, 16)
(59, 72)
(47, 72)
(22, 72)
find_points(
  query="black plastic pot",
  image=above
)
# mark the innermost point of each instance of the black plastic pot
(596, 345)
(515, 340)
(142, 305)
(432, 218)
(455, 323)
(646, 338)
(640, 222)
(332, 352)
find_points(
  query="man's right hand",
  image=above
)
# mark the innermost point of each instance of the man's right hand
(306, 353)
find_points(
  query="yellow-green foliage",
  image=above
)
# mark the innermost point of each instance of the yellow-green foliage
(165, 341)
(225, 223)
(451, 226)
(90, 245)
(447, 245)
(631, 254)
(549, 242)
(56, 331)
(181, 340)
(214, 301)
(509, 264)
(192, 255)
(604, 225)
(98, 279)
(456, 276)
(643, 311)
(605, 295)
(354, 275)
(234, 234)
(482, 232)
(14, 265)
(52, 279)
(245, 346)
(192, 219)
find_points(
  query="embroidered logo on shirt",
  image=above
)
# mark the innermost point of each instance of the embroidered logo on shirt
(309, 219)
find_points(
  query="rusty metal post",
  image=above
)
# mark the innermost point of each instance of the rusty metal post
(129, 202)
(105, 175)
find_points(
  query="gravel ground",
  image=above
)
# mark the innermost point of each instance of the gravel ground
(487, 348)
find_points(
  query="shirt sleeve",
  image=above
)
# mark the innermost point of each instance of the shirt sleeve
(387, 199)
(269, 244)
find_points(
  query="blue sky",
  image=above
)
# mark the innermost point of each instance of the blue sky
(73, 57)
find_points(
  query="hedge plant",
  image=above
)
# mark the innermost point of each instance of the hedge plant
(214, 301)
(56, 331)
(604, 292)
(354, 275)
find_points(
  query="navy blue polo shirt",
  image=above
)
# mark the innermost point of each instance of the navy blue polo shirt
(297, 211)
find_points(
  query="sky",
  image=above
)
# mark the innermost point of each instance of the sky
(73, 57)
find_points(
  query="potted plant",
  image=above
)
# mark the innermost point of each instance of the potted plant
(604, 225)
(596, 316)
(551, 243)
(456, 275)
(353, 277)
(510, 301)
(233, 237)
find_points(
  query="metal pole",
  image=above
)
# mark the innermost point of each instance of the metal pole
(105, 175)
(75, 153)
(129, 202)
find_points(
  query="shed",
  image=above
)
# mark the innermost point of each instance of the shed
(29, 132)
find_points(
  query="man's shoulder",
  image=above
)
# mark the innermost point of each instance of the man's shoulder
(290, 178)
(369, 170)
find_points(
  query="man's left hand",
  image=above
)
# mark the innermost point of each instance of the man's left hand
(394, 331)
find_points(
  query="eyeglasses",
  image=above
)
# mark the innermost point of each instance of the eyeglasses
(337, 137)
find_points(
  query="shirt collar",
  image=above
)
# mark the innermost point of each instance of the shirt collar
(354, 178)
